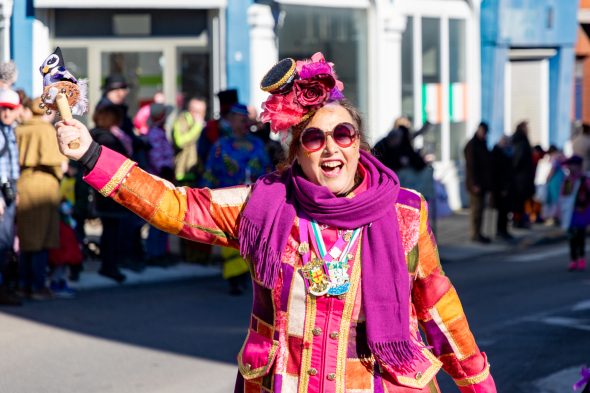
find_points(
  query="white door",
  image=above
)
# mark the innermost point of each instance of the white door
(527, 98)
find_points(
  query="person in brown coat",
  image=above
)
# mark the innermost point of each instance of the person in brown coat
(38, 198)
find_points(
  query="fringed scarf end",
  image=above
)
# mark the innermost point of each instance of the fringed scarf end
(399, 354)
(255, 247)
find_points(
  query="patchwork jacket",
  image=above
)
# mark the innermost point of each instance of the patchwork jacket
(297, 342)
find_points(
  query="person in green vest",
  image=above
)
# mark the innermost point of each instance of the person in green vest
(185, 133)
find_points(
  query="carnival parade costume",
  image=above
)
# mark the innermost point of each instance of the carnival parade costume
(341, 284)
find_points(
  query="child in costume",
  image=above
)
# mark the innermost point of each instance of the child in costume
(575, 211)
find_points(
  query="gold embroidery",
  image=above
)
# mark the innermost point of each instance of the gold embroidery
(421, 379)
(310, 311)
(345, 323)
(246, 368)
(475, 379)
(117, 178)
(281, 81)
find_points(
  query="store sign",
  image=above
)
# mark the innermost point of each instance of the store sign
(131, 4)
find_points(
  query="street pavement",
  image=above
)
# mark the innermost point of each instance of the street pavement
(178, 331)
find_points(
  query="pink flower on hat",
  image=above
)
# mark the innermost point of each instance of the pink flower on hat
(315, 85)
(282, 111)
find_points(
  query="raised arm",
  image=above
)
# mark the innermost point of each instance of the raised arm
(442, 318)
(203, 215)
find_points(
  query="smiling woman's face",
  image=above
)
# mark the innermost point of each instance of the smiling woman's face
(333, 166)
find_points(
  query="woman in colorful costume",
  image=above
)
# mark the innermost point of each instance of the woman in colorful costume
(344, 265)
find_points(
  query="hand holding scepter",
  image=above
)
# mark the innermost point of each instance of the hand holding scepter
(62, 91)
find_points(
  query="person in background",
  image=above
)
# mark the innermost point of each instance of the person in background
(478, 178)
(396, 150)
(216, 128)
(37, 213)
(140, 120)
(161, 164)
(115, 241)
(68, 253)
(502, 184)
(581, 146)
(237, 159)
(186, 131)
(115, 92)
(8, 74)
(524, 174)
(9, 174)
(553, 183)
(575, 211)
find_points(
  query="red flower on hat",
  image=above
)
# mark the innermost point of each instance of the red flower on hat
(313, 92)
(282, 111)
(316, 84)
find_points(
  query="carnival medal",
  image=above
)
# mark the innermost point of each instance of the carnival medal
(317, 278)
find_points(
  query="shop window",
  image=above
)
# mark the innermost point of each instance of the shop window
(107, 23)
(76, 61)
(340, 34)
(458, 87)
(408, 69)
(193, 75)
(431, 85)
(142, 70)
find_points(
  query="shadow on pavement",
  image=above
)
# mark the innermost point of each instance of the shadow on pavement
(192, 317)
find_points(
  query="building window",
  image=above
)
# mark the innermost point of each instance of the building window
(340, 34)
(408, 70)
(431, 85)
(458, 86)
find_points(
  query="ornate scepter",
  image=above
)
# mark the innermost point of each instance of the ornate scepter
(62, 91)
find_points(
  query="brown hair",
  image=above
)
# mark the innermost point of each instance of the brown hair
(107, 116)
(299, 128)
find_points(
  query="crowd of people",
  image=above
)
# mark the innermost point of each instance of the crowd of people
(45, 203)
(526, 184)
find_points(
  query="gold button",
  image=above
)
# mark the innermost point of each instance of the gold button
(331, 377)
(248, 366)
(316, 331)
(334, 335)
(350, 256)
(312, 371)
(418, 375)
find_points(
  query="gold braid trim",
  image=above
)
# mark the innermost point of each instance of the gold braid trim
(281, 81)
(310, 314)
(350, 298)
(117, 178)
(246, 369)
(475, 379)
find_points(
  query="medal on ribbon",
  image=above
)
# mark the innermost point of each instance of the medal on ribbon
(318, 281)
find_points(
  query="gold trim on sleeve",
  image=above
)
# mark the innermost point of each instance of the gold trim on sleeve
(117, 178)
(475, 379)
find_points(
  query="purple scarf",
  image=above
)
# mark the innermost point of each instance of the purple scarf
(267, 220)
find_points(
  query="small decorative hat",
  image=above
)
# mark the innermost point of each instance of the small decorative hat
(297, 90)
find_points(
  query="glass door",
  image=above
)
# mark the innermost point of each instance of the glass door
(144, 72)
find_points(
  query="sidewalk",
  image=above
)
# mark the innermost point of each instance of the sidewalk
(454, 244)
(452, 234)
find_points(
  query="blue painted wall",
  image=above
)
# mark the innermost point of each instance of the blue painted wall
(238, 48)
(507, 24)
(21, 48)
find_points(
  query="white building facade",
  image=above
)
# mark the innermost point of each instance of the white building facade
(418, 58)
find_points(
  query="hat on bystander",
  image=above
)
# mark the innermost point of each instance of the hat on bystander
(239, 109)
(574, 160)
(115, 82)
(9, 99)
